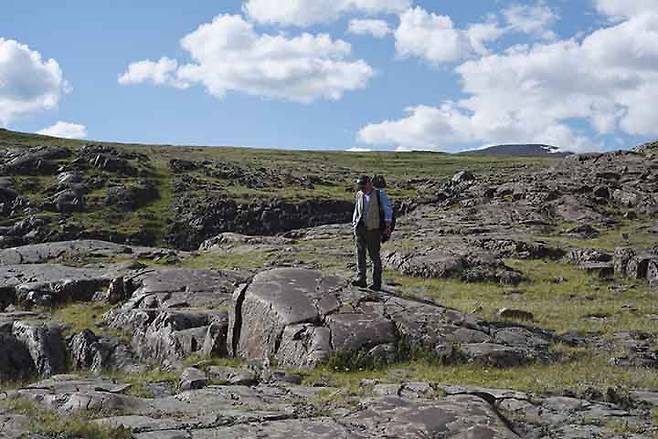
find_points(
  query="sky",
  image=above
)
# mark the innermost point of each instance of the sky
(361, 75)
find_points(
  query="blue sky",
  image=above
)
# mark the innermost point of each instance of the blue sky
(430, 83)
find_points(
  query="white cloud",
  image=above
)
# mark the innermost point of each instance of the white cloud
(309, 12)
(532, 93)
(434, 37)
(66, 130)
(357, 149)
(479, 34)
(626, 8)
(534, 19)
(162, 72)
(27, 82)
(229, 55)
(375, 28)
(423, 127)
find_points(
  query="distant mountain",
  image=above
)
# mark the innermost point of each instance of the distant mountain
(521, 150)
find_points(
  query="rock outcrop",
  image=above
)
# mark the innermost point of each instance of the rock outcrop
(300, 318)
(405, 410)
(174, 313)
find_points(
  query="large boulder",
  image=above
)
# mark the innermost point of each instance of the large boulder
(38, 160)
(89, 351)
(175, 312)
(66, 201)
(459, 261)
(15, 359)
(129, 198)
(636, 263)
(300, 318)
(45, 345)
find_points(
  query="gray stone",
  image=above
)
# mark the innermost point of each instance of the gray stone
(231, 375)
(45, 252)
(44, 343)
(192, 378)
(299, 318)
(173, 313)
(496, 355)
(284, 410)
(88, 351)
(16, 363)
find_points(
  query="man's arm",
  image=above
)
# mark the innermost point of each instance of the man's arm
(388, 209)
(356, 207)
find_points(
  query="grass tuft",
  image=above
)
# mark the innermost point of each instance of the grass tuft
(52, 424)
(87, 315)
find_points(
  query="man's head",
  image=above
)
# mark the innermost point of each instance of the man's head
(364, 183)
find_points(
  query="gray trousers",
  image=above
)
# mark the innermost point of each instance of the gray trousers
(370, 241)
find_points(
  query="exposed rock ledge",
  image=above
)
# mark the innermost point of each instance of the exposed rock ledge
(299, 318)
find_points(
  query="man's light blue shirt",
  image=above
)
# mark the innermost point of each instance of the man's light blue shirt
(386, 206)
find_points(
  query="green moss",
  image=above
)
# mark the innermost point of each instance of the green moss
(53, 424)
(625, 427)
(87, 315)
(139, 381)
(560, 296)
(626, 234)
(576, 372)
(204, 361)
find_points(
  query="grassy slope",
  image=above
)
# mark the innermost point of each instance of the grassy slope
(337, 170)
(550, 286)
(396, 165)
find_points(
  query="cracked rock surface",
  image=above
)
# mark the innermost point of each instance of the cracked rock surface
(299, 318)
(405, 410)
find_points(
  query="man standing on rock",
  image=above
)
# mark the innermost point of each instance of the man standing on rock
(371, 204)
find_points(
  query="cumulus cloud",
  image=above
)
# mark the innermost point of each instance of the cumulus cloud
(66, 130)
(161, 72)
(626, 8)
(435, 37)
(28, 83)
(531, 19)
(375, 28)
(229, 55)
(309, 12)
(532, 93)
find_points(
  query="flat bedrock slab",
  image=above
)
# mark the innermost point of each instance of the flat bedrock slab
(299, 318)
(400, 410)
(40, 253)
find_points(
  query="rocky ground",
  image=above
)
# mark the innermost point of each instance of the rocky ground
(187, 293)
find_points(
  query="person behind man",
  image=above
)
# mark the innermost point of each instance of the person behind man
(367, 224)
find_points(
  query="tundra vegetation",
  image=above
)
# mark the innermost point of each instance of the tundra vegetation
(152, 290)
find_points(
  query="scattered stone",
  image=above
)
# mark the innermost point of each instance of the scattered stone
(233, 376)
(192, 378)
(603, 270)
(405, 410)
(584, 231)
